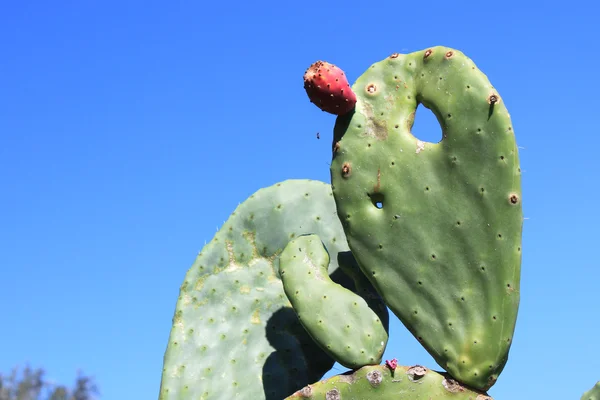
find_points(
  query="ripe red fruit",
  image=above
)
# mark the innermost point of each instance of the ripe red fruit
(328, 88)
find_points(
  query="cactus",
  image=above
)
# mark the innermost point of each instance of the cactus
(234, 332)
(379, 382)
(339, 321)
(593, 393)
(434, 231)
(435, 227)
(328, 88)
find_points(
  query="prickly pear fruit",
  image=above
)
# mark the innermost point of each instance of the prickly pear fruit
(436, 227)
(379, 382)
(338, 320)
(234, 333)
(593, 393)
(328, 88)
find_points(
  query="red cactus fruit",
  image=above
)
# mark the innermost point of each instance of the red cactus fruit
(328, 88)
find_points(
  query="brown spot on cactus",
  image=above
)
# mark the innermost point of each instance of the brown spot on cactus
(410, 121)
(346, 169)
(449, 54)
(371, 88)
(333, 394)
(452, 386)
(427, 53)
(327, 87)
(306, 391)
(378, 185)
(395, 55)
(374, 377)
(350, 379)
(417, 372)
(336, 147)
(493, 98)
(514, 198)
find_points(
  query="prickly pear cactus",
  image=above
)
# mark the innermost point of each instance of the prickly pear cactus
(379, 382)
(435, 226)
(593, 393)
(234, 333)
(340, 321)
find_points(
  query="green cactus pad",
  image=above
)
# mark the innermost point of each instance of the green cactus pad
(435, 226)
(379, 382)
(593, 393)
(234, 333)
(339, 320)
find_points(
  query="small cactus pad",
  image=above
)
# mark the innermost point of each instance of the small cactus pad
(381, 383)
(339, 320)
(435, 226)
(234, 333)
(593, 393)
(327, 87)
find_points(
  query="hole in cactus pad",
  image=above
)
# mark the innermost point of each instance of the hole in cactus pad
(377, 200)
(426, 126)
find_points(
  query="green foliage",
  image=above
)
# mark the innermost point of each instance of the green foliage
(436, 227)
(31, 384)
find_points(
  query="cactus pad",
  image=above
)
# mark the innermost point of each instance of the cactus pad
(379, 382)
(339, 320)
(593, 393)
(435, 226)
(234, 333)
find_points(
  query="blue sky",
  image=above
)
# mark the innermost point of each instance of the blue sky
(131, 130)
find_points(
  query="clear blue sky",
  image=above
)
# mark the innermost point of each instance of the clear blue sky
(130, 131)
